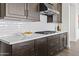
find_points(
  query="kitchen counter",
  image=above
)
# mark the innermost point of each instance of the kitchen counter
(13, 39)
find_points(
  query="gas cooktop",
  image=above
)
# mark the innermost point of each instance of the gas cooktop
(45, 32)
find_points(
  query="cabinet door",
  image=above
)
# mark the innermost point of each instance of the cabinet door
(2, 10)
(61, 42)
(23, 49)
(16, 10)
(59, 16)
(33, 12)
(53, 45)
(41, 47)
(65, 40)
(5, 49)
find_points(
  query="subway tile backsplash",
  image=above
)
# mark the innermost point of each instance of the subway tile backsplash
(10, 27)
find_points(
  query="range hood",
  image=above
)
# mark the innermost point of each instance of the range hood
(46, 9)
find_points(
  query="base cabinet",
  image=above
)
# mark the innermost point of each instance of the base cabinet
(63, 41)
(23, 49)
(46, 46)
(41, 47)
(5, 49)
(53, 45)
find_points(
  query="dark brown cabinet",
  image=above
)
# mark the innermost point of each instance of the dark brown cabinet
(46, 46)
(41, 47)
(2, 10)
(53, 44)
(20, 11)
(59, 16)
(16, 10)
(33, 11)
(5, 49)
(63, 41)
(23, 49)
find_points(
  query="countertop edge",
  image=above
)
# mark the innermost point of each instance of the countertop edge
(11, 43)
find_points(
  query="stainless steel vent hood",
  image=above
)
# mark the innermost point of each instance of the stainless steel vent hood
(46, 9)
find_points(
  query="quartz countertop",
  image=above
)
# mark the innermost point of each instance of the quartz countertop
(13, 39)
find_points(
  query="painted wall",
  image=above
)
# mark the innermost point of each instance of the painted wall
(77, 21)
(10, 27)
(66, 20)
(74, 30)
(70, 20)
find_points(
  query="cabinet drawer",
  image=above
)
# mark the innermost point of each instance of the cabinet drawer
(23, 44)
(23, 49)
(23, 52)
(41, 40)
(53, 37)
(63, 35)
